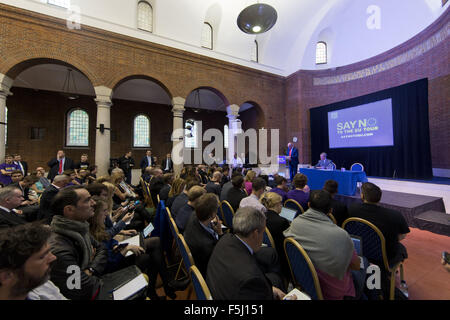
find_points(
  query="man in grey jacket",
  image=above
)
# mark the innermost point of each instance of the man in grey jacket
(80, 258)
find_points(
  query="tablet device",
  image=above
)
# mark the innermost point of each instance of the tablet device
(288, 213)
(357, 243)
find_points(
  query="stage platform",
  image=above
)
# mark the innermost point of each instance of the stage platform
(412, 206)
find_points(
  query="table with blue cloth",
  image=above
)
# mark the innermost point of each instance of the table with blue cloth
(346, 179)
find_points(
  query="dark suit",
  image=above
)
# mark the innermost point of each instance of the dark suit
(144, 163)
(276, 225)
(164, 165)
(45, 202)
(234, 197)
(327, 163)
(340, 211)
(164, 193)
(24, 165)
(54, 167)
(234, 274)
(10, 219)
(293, 163)
(201, 243)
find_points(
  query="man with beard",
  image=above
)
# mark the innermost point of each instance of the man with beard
(25, 264)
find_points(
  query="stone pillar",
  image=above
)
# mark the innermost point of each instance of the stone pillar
(5, 86)
(178, 134)
(234, 128)
(103, 139)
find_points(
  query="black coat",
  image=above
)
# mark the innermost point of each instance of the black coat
(45, 202)
(144, 163)
(10, 219)
(54, 167)
(24, 165)
(200, 242)
(234, 274)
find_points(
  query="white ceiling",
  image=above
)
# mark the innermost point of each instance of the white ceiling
(286, 48)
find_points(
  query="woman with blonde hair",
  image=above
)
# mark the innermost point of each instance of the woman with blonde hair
(276, 225)
(248, 180)
(177, 188)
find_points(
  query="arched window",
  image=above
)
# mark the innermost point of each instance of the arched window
(321, 52)
(225, 136)
(207, 36)
(145, 16)
(190, 133)
(141, 131)
(254, 56)
(60, 3)
(77, 128)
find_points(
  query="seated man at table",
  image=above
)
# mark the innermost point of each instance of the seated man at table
(324, 163)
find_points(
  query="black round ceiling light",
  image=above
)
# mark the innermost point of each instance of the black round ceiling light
(257, 18)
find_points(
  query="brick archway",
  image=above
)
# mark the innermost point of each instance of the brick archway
(114, 84)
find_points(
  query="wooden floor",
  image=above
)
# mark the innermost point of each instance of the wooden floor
(425, 276)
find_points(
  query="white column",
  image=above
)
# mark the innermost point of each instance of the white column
(103, 139)
(234, 128)
(178, 134)
(5, 86)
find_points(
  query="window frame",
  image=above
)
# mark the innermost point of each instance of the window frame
(326, 52)
(66, 143)
(212, 36)
(149, 131)
(137, 16)
(195, 146)
(58, 5)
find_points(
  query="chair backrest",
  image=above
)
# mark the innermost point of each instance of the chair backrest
(294, 205)
(186, 254)
(333, 166)
(200, 286)
(330, 215)
(303, 273)
(357, 167)
(373, 242)
(174, 228)
(268, 239)
(227, 213)
(157, 197)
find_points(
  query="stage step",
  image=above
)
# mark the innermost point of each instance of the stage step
(434, 221)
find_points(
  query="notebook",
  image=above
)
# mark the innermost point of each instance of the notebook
(130, 288)
(288, 213)
(298, 294)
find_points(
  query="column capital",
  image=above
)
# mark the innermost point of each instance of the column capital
(103, 96)
(233, 111)
(5, 85)
(178, 106)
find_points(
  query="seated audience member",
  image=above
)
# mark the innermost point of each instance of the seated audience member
(10, 198)
(156, 185)
(92, 173)
(121, 194)
(24, 185)
(59, 182)
(330, 249)
(258, 189)
(25, 264)
(234, 256)
(175, 190)
(225, 175)
(277, 225)
(6, 170)
(236, 162)
(183, 198)
(148, 258)
(83, 164)
(202, 174)
(147, 174)
(73, 177)
(185, 212)
(340, 211)
(42, 179)
(300, 193)
(281, 187)
(213, 186)
(236, 193)
(82, 176)
(324, 163)
(167, 184)
(265, 177)
(248, 181)
(203, 230)
(16, 176)
(228, 185)
(73, 245)
(391, 223)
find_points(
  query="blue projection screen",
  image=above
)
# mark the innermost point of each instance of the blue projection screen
(367, 125)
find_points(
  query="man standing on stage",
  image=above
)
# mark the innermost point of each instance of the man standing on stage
(292, 159)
